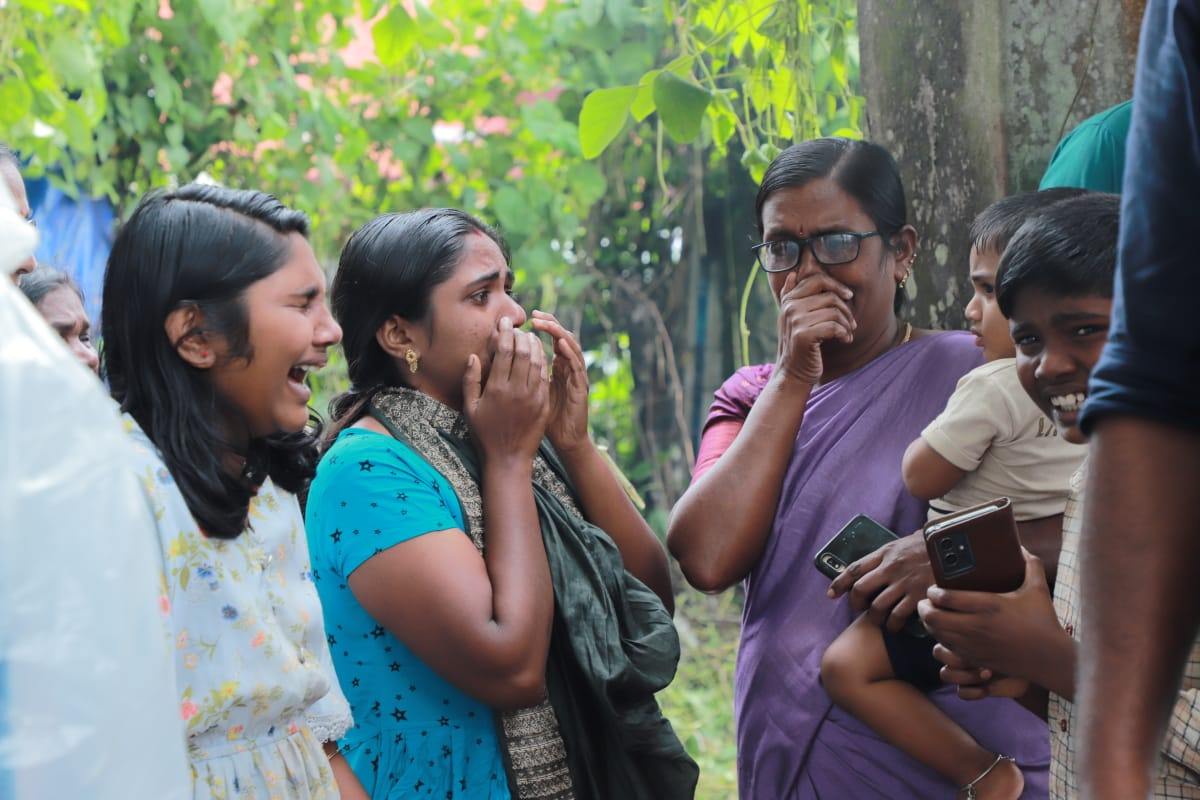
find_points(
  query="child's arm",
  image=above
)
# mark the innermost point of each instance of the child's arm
(926, 473)
(953, 445)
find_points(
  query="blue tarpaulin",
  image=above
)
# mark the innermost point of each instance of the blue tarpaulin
(76, 235)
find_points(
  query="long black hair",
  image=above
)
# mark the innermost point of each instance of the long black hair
(390, 267)
(202, 247)
(864, 170)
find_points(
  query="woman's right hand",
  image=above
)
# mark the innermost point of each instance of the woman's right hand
(812, 309)
(508, 414)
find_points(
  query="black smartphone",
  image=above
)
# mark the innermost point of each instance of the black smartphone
(859, 537)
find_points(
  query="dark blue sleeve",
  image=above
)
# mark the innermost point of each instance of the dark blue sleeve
(1151, 364)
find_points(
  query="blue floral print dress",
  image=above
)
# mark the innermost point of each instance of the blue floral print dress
(257, 691)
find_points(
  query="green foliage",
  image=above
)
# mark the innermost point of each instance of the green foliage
(602, 117)
(769, 71)
(597, 133)
(611, 396)
(394, 36)
(681, 105)
(699, 702)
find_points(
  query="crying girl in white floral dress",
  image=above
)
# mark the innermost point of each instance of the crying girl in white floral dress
(213, 314)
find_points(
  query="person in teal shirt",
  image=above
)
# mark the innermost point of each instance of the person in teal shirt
(497, 609)
(1093, 155)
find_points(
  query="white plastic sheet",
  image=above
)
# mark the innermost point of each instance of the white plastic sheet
(88, 707)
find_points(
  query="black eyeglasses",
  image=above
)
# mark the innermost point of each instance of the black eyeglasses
(829, 249)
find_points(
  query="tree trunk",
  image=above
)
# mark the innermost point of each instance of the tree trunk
(971, 97)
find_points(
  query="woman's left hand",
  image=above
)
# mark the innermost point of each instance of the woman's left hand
(568, 425)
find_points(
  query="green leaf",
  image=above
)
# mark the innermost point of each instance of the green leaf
(513, 211)
(15, 101)
(590, 11)
(143, 114)
(536, 257)
(724, 124)
(243, 131)
(602, 117)
(93, 101)
(73, 60)
(174, 132)
(223, 18)
(703, 34)
(274, 127)
(420, 129)
(114, 22)
(619, 12)
(545, 121)
(394, 36)
(165, 87)
(587, 182)
(681, 105)
(643, 105)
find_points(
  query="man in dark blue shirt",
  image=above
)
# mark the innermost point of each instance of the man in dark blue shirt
(1141, 535)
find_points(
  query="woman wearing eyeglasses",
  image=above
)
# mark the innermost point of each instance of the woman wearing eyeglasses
(810, 441)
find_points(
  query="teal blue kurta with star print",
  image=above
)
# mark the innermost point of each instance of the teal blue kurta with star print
(415, 735)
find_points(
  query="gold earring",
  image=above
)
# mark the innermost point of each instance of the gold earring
(904, 280)
(414, 360)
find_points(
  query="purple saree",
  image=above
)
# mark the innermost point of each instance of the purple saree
(792, 742)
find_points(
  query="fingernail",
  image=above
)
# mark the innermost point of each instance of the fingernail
(505, 323)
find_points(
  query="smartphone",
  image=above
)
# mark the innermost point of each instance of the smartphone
(977, 548)
(857, 538)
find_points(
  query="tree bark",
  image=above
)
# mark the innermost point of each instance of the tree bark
(971, 97)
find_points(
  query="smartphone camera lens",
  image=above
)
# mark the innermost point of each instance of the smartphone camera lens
(951, 559)
(945, 544)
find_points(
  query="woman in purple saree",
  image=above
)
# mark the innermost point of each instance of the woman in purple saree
(804, 445)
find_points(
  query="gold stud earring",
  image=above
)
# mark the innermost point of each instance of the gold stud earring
(414, 360)
(904, 280)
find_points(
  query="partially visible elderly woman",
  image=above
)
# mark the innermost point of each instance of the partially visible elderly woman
(60, 302)
(809, 442)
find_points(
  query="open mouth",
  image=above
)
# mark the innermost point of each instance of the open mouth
(1066, 407)
(297, 377)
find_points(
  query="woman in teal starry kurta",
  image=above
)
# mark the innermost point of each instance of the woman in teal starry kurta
(497, 632)
(408, 715)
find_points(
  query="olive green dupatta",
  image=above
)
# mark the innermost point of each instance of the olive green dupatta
(600, 733)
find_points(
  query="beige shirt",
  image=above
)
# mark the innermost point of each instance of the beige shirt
(992, 430)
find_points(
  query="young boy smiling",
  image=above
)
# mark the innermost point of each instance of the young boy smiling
(1055, 286)
(991, 441)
